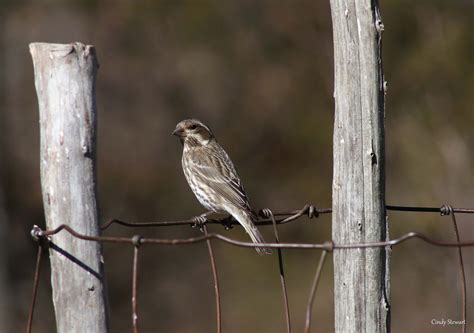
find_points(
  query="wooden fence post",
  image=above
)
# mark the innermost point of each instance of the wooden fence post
(361, 276)
(65, 81)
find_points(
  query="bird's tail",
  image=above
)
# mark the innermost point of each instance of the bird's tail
(246, 221)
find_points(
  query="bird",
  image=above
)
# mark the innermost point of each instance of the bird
(212, 177)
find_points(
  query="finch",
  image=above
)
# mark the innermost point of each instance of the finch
(212, 177)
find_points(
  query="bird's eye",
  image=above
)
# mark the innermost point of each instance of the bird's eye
(193, 127)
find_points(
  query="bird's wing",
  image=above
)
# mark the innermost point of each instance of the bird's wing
(216, 169)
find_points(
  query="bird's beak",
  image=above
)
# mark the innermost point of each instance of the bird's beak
(178, 132)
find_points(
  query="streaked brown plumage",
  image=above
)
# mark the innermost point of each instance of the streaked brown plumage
(212, 177)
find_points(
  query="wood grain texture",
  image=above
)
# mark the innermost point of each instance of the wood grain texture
(361, 281)
(65, 81)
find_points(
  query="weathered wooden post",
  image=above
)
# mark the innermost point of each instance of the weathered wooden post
(65, 81)
(361, 280)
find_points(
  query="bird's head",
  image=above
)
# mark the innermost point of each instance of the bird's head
(193, 131)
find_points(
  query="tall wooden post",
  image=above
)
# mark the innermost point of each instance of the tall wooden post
(361, 280)
(65, 82)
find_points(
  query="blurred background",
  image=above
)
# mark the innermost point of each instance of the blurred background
(260, 73)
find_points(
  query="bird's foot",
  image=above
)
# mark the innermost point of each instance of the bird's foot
(227, 222)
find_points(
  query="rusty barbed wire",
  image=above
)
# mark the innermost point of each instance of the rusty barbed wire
(43, 236)
(308, 210)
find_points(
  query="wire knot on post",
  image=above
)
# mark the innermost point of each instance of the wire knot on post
(38, 236)
(36, 233)
(446, 210)
(328, 246)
